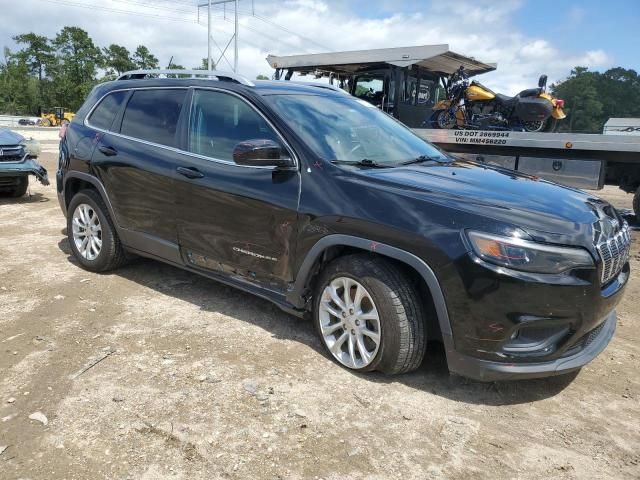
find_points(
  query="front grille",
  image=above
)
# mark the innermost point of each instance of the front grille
(614, 252)
(11, 154)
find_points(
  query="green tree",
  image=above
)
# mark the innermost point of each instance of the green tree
(204, 65)
(583, 104)
(592, 97)
(19, 92)
(37, 52)
(144, 59)
(262, 77)
(116, 58)
(73, 73)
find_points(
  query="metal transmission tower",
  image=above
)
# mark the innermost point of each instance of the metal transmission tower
(234, 38)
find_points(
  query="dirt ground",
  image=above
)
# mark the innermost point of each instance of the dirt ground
(151, 372)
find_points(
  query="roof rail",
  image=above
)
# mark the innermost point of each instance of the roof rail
(219, 75)
(326, 86)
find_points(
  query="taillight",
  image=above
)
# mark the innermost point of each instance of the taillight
(559, 103)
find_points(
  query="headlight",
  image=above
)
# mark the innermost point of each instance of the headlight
(525, 255)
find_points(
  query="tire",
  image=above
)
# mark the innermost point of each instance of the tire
(111, 254)
(534, 127)
(21, 188)
(390, 295)
(46, 122)
(636, 204)
(442, 119)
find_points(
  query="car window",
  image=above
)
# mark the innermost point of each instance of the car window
(219, 121)
(152, 115)
(106, 111)
(370, 89)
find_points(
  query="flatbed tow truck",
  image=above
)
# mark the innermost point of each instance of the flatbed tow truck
(406, 82)
(585, 161)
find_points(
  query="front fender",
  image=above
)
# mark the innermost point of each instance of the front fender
(441, 105)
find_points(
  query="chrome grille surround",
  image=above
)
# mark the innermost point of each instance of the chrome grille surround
(614, 252)
(14, 153)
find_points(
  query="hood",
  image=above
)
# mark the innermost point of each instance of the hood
(8, 137)
(547, 211)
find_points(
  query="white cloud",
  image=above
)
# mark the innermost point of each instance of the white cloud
(483, 30)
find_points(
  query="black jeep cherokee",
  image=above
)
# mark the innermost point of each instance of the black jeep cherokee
(321, 203)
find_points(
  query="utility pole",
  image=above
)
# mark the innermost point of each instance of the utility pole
(209, 37)
(209, 3)
(235, 56)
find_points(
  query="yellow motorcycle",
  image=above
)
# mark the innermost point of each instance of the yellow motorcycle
(471, 105)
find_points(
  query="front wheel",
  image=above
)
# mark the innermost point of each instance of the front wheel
(444, 119)
(369, 315)
(21, 188)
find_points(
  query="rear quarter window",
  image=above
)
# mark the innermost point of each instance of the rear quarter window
(105, 113)
(152, 115)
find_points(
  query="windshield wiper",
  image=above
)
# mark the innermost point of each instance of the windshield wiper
(423, 159)
(365, 162)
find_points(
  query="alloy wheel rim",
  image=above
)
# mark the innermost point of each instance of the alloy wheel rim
(87, 231)
(446, 120)
(349, 322)
(533, 126)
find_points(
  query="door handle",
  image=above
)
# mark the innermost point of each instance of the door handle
(190, 172)
(108, 151)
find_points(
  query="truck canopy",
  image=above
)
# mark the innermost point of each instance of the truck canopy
(434, 58)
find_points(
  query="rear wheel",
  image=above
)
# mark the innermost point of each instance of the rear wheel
(636, 204)
(548, 125)
(369, 315)
(92, 236)
(537, 126)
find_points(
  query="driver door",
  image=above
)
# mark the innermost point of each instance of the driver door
(238, 220)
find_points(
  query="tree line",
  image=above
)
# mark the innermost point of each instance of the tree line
(591, 98)
(61, 71)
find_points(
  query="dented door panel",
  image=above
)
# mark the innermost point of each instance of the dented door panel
(238, 220)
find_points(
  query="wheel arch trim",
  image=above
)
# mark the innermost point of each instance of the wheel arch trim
(295, 296)
(97, 184)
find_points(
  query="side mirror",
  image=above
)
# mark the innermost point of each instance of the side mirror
(542, 81)
(261, 153)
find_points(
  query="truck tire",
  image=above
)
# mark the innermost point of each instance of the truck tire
(636, 204)
(21, 188)
(93, 238)
(369, 315)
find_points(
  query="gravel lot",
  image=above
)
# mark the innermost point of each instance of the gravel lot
(151, 372)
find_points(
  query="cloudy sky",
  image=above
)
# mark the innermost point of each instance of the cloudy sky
(525, 38)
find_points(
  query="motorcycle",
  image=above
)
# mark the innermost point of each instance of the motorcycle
(471, 105)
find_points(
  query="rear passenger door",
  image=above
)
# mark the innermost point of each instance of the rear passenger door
(136, 160)
(236, 219)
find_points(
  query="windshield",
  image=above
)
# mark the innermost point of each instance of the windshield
(344, 128)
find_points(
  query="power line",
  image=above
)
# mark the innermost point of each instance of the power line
(116, 10)
(154, 6)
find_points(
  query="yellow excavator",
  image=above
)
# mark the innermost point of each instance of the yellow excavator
(53, 117)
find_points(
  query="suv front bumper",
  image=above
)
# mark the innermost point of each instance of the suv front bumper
(488, 371)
